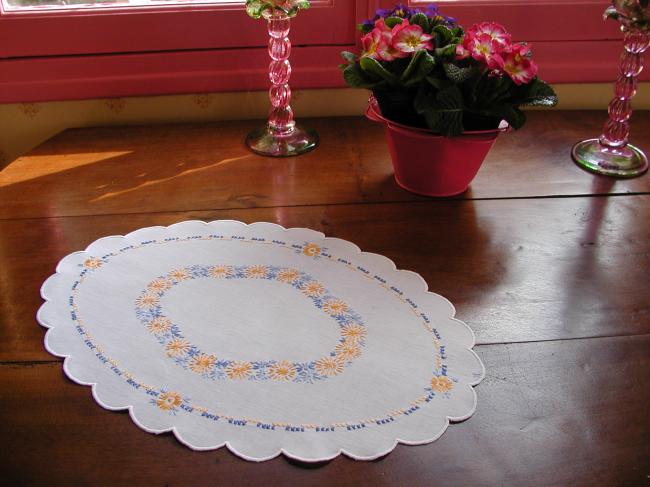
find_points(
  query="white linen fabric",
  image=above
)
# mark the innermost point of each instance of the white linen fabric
(264, 339)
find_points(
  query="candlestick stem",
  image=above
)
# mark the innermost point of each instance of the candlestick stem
(281, 136)
(611, 154)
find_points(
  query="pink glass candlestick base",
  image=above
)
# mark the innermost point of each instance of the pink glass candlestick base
(611, 155)
(280, 137)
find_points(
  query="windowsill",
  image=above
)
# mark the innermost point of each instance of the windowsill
(32, 123)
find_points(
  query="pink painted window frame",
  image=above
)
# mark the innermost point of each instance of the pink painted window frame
(189, 49)
(111, 30)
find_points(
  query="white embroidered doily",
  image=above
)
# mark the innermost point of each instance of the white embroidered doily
(261, 338)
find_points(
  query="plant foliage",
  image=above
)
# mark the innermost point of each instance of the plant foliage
(266, 8)
(448, 79)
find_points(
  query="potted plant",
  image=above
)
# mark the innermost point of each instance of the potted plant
(444, 93)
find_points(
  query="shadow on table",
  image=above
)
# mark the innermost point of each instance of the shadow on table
(451, 243)
(588, 277)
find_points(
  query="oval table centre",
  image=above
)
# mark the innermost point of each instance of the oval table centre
(264, 339)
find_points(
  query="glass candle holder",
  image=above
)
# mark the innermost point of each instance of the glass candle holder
(281, 136)
(611, 154)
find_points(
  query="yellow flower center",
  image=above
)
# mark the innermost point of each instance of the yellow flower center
(413, 41)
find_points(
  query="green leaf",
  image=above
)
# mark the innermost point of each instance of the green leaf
(437, 82)
(424, 99)
(447, 51)
(261, 8)
(539, 94)
(254, 8)
(421, 65)
(444, 35)
(460, 75)
(392, 21)
(355, 77)
(490, 91)
(511, 114)
(350, 57)
(412, 67)
(421, 20)
(502, 90)
(364, 29)
(373, 66)
(443, 111)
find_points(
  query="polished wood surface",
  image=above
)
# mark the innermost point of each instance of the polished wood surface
(548, 264)
(517, 270)
(550, 413)
(201, 167)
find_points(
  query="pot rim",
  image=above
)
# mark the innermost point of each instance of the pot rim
(373, 112)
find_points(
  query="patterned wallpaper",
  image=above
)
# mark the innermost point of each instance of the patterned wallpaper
(25, 125)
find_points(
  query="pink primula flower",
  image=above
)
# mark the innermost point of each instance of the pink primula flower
(370, 43)
(461, 52)
(496, 31)
(517, 64)
(483, 47)
(387, 50)
(381, 25)
(409, 38)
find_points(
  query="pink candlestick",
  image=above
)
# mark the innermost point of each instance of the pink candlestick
(280, 136)
(611, 154)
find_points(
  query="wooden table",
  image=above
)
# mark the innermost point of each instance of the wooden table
(548, 264)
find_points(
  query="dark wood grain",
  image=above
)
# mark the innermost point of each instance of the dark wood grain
(517, 270)
(560, 413)
(201, 167)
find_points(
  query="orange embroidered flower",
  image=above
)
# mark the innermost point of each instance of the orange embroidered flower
(257, 272)
(353, 333)
(159, 325)
(282, 371)
(347, 351)
(313, 288)
(311, 250)
(441, 383)
(288, 275)
(147, 301)
(159, 285)
(329, 366)
(179, 275)
(239, 370)
(177, 347)
(93, 263)
(202, 363)
(220, 271)
(335, 307)
(169, 400)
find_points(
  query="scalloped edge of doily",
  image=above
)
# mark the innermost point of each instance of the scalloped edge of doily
(68, 359)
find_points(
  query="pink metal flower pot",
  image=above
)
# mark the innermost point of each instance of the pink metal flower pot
(433, 165)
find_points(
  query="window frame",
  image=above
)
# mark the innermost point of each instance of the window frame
(171, 61)
(79, 31)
